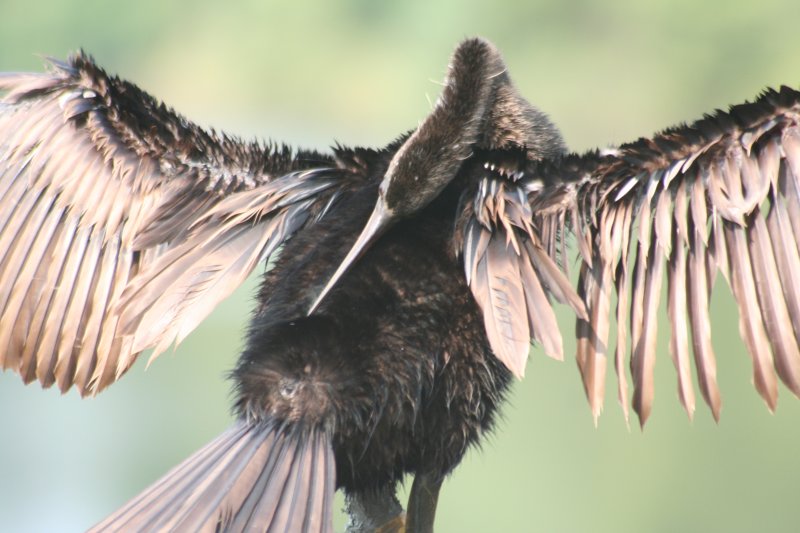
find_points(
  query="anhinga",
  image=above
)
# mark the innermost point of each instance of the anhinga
(410, 281)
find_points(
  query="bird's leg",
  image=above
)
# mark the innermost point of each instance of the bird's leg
(374, 512)
(422, 503)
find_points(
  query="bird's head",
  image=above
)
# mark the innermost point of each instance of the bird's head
(479, 109)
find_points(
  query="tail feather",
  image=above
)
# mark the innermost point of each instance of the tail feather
(250, 478)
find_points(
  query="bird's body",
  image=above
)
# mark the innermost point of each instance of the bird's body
(397, 349)
(410, 282)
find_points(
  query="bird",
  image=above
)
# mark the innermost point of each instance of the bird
(407, 282)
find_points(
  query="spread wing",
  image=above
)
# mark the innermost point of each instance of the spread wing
(122, 224)
(719, 196)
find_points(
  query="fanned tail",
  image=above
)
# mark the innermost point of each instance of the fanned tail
(251, 478)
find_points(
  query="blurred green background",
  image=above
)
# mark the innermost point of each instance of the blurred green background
(361, 72)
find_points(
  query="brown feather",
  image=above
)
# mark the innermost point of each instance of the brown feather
(29, 246)
(791, 194)
(644, 345)
(676, 303)
(541, 318)
(790, 141)
(621, 285)
(77, 314)
(554, 279)
(592, 334)
(787, 258)
(497, 288)
(638, 283)
(49, 272)
(45, 352)
(697, 292)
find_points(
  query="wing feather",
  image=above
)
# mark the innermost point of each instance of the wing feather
(77, 313)
(541, 318)
(592, 334)
(510, 272)
(699, 280)
(676, 303)
(787, 258)
(621, 286)
(500, 295)
(644, 340)
(49, 272)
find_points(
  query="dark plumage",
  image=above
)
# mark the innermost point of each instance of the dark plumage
(410, 284)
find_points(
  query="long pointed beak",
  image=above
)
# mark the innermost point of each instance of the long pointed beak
(377, 223)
